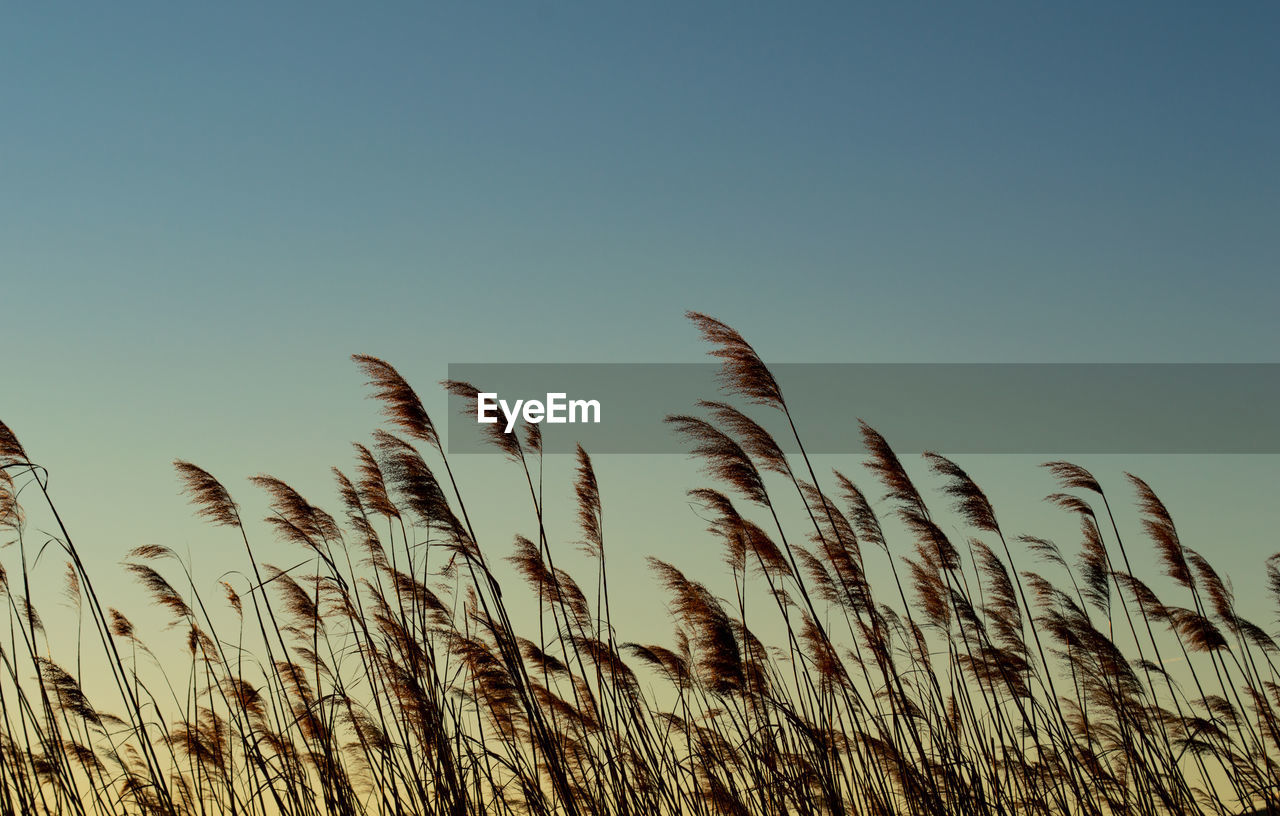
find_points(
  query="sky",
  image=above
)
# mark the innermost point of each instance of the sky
(206, 208)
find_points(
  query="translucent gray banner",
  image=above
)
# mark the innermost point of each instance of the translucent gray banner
(949, 408)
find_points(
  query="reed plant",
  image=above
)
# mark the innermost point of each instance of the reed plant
(979, 672)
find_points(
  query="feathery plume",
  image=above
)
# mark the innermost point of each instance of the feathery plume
(411, 476)
(295, 518)
(10, 449)
(161, 590)
(121, 627)
(724, 458)
(886, 465)
(589, 509)
(742, 372)
(754, 439)
(1073, 477)
(971, 502)
(718, 653)
(211, 499)
(508, 443)
(1095, 569)
(400, 402)
(373, 486)
(1159, 525)
(860, 513)
(1216, 587)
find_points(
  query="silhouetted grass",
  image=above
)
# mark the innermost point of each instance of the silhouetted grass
(385, 675)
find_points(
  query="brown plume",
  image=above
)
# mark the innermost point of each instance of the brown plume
(1073, 477)
(508, 443)
(724, 458)
(1216, 587)
(743, 372)
(211, 499)
(1095, 567)
(861, 515)
(414, 480)
(1197, 631)
(10, 449)
(400, 402)
(971, 502)
(886, 465)
(121, 627)
(373, 486)
(295, 518)
(589, 510)
(754, 439)
(161, 591)
(719, 657)
(1159, 525)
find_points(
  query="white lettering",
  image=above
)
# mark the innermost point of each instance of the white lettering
(485, 403)
(555, 407)
(584, 405)
(511, 413)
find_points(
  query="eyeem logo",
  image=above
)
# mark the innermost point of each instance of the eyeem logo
(558, 409)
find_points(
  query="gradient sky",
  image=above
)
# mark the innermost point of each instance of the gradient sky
(205, 208)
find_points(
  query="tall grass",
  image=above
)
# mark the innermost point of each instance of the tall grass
(385, 675)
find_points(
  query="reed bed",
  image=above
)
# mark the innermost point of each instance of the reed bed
(996, 674)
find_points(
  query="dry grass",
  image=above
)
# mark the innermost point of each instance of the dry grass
(384, 675)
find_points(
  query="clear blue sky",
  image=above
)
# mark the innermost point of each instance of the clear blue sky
(204, 208)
